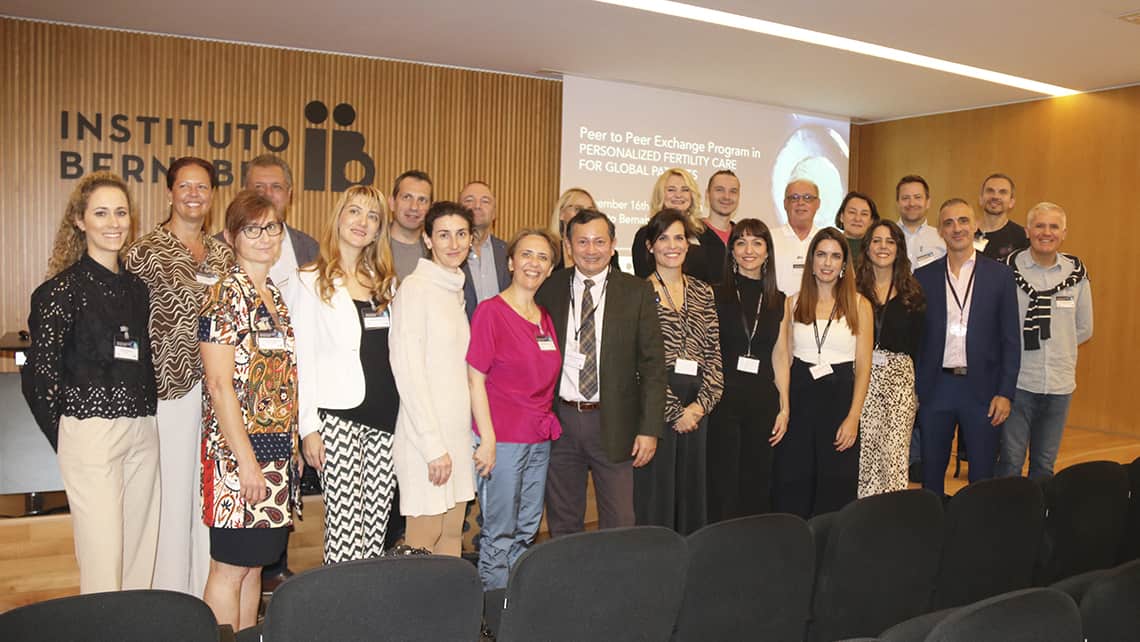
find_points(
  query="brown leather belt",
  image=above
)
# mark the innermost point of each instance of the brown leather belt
(957, 372)
(581, 406)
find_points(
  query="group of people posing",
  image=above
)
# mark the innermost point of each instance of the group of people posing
(417, 361)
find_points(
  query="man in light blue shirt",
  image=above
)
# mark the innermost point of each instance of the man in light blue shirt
(923, 243)
(1054, 300)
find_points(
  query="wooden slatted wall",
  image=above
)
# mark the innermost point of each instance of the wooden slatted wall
(457, 125)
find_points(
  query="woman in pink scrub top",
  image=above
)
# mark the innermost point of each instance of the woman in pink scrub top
(513, 365)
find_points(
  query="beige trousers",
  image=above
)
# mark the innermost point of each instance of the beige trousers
(110, 471)
(183, 559)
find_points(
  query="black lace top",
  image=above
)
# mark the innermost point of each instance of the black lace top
(80, 361)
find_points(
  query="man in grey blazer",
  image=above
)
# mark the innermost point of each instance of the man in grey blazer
(611, 396)
(486, 266)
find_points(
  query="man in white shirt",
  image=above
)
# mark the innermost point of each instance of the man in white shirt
(923, 243)
(791, 241)
(611, 396)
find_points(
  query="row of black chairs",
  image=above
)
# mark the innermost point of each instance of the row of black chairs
(898, 565)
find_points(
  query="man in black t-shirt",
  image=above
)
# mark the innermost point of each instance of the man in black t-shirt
(997, 236)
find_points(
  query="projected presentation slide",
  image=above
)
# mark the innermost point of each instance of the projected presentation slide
(617, 139)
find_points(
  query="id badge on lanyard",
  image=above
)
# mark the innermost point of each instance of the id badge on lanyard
(126, 348)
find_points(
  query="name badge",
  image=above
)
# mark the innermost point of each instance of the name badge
(685, 367)
(270, 340)
(374, 320)
(799, 263)
(1064, 302)
(575, 360)
(546, 344)
(748, 364)
(925, 255)
(981, 243)
(206, 278)
(126, 350)
(957, 329)
(820, 371)
(879, 358)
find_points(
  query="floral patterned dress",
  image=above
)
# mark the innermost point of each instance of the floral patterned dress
(265, 379)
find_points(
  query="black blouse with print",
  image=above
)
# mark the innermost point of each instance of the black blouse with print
(84, 323)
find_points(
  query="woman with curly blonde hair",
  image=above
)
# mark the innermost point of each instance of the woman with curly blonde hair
(348, 395)
(89, 382)
(675, 189)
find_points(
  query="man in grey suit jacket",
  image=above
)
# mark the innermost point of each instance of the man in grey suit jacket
(486, 266)
(611, 396)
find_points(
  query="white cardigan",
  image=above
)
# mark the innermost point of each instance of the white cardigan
(328, 351)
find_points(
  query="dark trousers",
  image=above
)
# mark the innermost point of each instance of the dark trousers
(739, 455)
(670, 490)
(953, 404)
(578, 451)
(811, 476)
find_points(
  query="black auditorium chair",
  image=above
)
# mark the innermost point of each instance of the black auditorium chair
(1085, 520)
(993, 536)
(1110, 607)
(122, 616)
(427, 598)
(878, 564)
(1028, 615)
(1131, 549)
(749, 579)
(614, 585)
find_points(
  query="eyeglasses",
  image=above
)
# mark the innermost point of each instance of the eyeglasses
(253, 232)
(796, 198)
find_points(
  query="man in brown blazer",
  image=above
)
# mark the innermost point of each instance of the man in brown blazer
(611, 396)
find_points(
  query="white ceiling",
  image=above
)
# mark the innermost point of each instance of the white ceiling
(1080, 45)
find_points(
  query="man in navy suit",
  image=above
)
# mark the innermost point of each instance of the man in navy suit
(970, 352)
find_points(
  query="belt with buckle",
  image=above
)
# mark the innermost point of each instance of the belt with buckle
(956, 372)
(581, 406)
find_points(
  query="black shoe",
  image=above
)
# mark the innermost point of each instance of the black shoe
(270, 584)
(914, 474)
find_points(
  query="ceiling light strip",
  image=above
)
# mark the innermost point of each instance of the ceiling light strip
(756, 25)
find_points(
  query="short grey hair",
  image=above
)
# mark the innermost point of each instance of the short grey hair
(1046, 206)
(268, 160)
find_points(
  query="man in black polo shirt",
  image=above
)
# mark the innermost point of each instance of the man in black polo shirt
(997, 236)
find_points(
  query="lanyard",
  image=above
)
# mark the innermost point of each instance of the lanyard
(601, 296)
(744, 320)
(882, 311)
(673, 307)
(961, 303)
(815, 328)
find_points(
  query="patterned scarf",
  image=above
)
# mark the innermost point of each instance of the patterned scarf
(1037, 315)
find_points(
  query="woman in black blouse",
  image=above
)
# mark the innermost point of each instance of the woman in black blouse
(89, 381)
(885, 279)
(752, 415)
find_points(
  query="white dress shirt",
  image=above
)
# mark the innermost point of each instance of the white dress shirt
(791, 257)
(923, 246)
(284, 270)
(568, 387)
(954, 355)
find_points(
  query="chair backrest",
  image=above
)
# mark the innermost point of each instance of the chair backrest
(878, 565)
(1131, 548)
(1110, 608)
(748, 579)
(391, 598)
(614, 585)
(1086, 516)
(125, 616)
(993, 537)
(1028, 615)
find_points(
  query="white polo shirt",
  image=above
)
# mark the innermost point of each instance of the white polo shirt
(791, 257)
(923, 246)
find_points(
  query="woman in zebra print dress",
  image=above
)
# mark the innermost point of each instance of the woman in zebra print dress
(671, 489)
(178, 262)
(347, 393)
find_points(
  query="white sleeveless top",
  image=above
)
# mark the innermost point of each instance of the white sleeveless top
(838, 347)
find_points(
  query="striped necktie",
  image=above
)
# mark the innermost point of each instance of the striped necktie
(587, 345)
